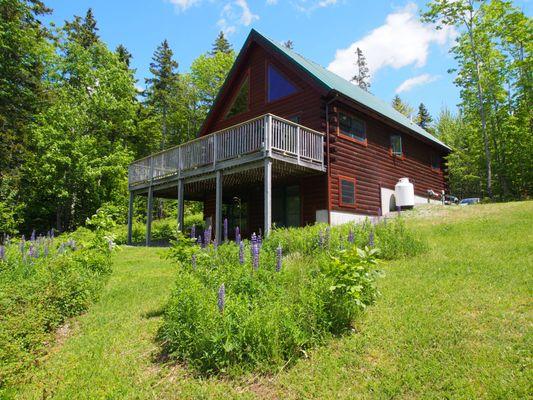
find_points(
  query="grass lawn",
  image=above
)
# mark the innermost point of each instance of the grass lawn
(455, 322)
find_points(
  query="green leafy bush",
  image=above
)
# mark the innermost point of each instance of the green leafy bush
(43, 282)
(230, 314)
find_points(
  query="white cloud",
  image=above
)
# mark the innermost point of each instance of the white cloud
(182, 5)
(235, 13)
(401, 41)
(419, 80)
(308, 6)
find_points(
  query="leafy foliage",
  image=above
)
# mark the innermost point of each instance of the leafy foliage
(267, 316)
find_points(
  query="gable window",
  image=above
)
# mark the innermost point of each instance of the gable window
(352, 127)
(435, 161)
(278, 85)
(240, 102)
(347, 191)
(396, 145)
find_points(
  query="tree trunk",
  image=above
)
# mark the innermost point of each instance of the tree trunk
(488, 163)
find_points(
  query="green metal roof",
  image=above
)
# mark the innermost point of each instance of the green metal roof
(334, 82)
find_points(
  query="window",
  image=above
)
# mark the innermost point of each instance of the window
(435, 161)
(278, 85)
(396, 145)
(347, 191)
(240, 103)
(294, 118)
(352, 127)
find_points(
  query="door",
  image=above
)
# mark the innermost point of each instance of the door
(286, 206)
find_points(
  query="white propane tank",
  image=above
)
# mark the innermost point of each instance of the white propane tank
(405, 193)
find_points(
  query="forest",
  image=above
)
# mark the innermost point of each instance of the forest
(72, 117)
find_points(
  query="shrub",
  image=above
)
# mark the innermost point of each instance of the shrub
(43, 282)
(265, 318)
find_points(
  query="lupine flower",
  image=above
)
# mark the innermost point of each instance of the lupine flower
(259, 240)
(379, 212)
(61, 248)
(31, 250)
(32, 237)
(320, 239)
(2, 253)
(199, 241)
(279, 257)
(46, 251)
(221, 298)
(237, 235)
(225, 230)
(21, 247)
(215, 243)
(399, 209)
(254, 238)
(371, 239)
(351, 236)
(255, 256)
(193, 231)
(207, 236)
(241, 252)
(52, 233)
(193, 261)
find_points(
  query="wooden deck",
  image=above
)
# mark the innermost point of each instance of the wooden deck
(267, 136)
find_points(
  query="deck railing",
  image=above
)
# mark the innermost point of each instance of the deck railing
(268, 134)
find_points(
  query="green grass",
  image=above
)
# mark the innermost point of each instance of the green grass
(455, 322)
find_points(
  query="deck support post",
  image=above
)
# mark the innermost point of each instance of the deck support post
(149, 207)
(268, 196)
(181, 206)
(218, 208)
(130, 218)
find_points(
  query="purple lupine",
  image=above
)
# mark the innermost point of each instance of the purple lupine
(320, 239)
(237, 235)
(279, 257)
(61, 248)
(255, 256)
(32, 237)
(215, 243)
(193, 231)
(241, 252)
(193, 261)
(2, 253)
(351, 236)
(399, 209)
(225, 230)
(371, 239)
(259, 240)
(52, 233)
(221, 298)
(199, 241)
(31, 250)
(254, 238)
(207, 236)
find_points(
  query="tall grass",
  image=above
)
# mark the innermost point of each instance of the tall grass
(243, 307)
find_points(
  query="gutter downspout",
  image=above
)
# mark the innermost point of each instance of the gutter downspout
(328, 155)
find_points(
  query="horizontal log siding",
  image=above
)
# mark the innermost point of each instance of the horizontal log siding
(305, 103)
(374, 167)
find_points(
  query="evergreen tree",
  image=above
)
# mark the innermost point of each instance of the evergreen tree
(399, 105)
(289, 44)
(423, 119)
(163, 86)
(83, 30)
(362, 75)
(123, 54)
(221, 45)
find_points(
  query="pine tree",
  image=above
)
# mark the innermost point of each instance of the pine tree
(83, 30)
(163, 86)
(221, 45)
(399, 105)
(423, 119)
(362, 76)
(289, 44)
(123, 54)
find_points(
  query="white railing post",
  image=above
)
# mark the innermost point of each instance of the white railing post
(298, 144)
(215, 150)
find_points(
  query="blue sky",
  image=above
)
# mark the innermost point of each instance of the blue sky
(404, 56)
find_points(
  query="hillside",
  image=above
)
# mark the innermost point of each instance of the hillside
(454, 322)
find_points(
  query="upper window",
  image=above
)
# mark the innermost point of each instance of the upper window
(240, 102)
(352, 127)
(278, 85)
(396, 145)
(435, 161)
(347, 191)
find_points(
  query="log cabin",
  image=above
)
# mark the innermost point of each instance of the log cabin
(289, 143)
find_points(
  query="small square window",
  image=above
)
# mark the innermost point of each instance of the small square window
(347, 191)
(435, 161)
(352, 127)
(396, 145)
